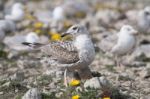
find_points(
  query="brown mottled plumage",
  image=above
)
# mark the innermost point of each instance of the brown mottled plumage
(63, 52)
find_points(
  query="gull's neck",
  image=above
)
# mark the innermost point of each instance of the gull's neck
(85, 48)
(123, 34)
(82, 41)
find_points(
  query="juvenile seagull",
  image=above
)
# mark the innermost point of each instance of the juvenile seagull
(126, 41)
(17, 13)
(75, 55)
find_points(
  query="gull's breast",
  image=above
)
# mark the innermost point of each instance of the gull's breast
(124, 45)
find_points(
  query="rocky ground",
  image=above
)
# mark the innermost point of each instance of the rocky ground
(24, 75)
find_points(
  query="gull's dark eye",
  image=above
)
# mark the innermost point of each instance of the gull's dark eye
(128, 29)
(74, 28)
(147, 13)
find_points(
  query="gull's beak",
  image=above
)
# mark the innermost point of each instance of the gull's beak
(65, 34)
(147, 13)
(134, 32)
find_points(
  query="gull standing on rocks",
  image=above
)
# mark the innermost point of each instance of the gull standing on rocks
(17, 12)
(140, 19)
(144, 20)
(14, 42)
(126, 41)
(75, 55)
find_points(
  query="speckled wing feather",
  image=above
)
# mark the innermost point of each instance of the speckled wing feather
(63, 52)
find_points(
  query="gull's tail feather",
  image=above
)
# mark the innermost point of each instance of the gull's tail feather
(33, 45)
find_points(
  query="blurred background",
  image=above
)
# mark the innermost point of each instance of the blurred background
(43, 21)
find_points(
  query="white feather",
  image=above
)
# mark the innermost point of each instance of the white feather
(86, 48)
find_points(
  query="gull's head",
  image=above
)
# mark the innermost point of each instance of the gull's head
(76, 30)
(127, 29)
(146, 11)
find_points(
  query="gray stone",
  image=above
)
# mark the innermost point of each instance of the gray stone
(33, 93)
(97, 83)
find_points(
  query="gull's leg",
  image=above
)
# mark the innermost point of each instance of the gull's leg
(85, 73)
(76, 75)
(117, 61)
(122, 67)
(68, 78)
(65, 78)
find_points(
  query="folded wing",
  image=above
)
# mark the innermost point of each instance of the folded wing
(63, 52)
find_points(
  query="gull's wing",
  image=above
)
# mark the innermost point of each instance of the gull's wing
(63, 52)
(108, 42)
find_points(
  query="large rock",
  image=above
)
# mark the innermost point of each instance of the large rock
(98, 83)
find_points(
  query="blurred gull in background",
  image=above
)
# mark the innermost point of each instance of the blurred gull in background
(126, 41)
(17, 12)
(144, 20)
(139, 18)
(14, 42)
(119, 44)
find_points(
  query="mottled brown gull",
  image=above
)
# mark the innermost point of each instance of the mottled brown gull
(74, 55)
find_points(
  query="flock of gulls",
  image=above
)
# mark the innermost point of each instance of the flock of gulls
(76, 54)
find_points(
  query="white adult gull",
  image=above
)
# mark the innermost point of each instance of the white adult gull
(126, 41)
